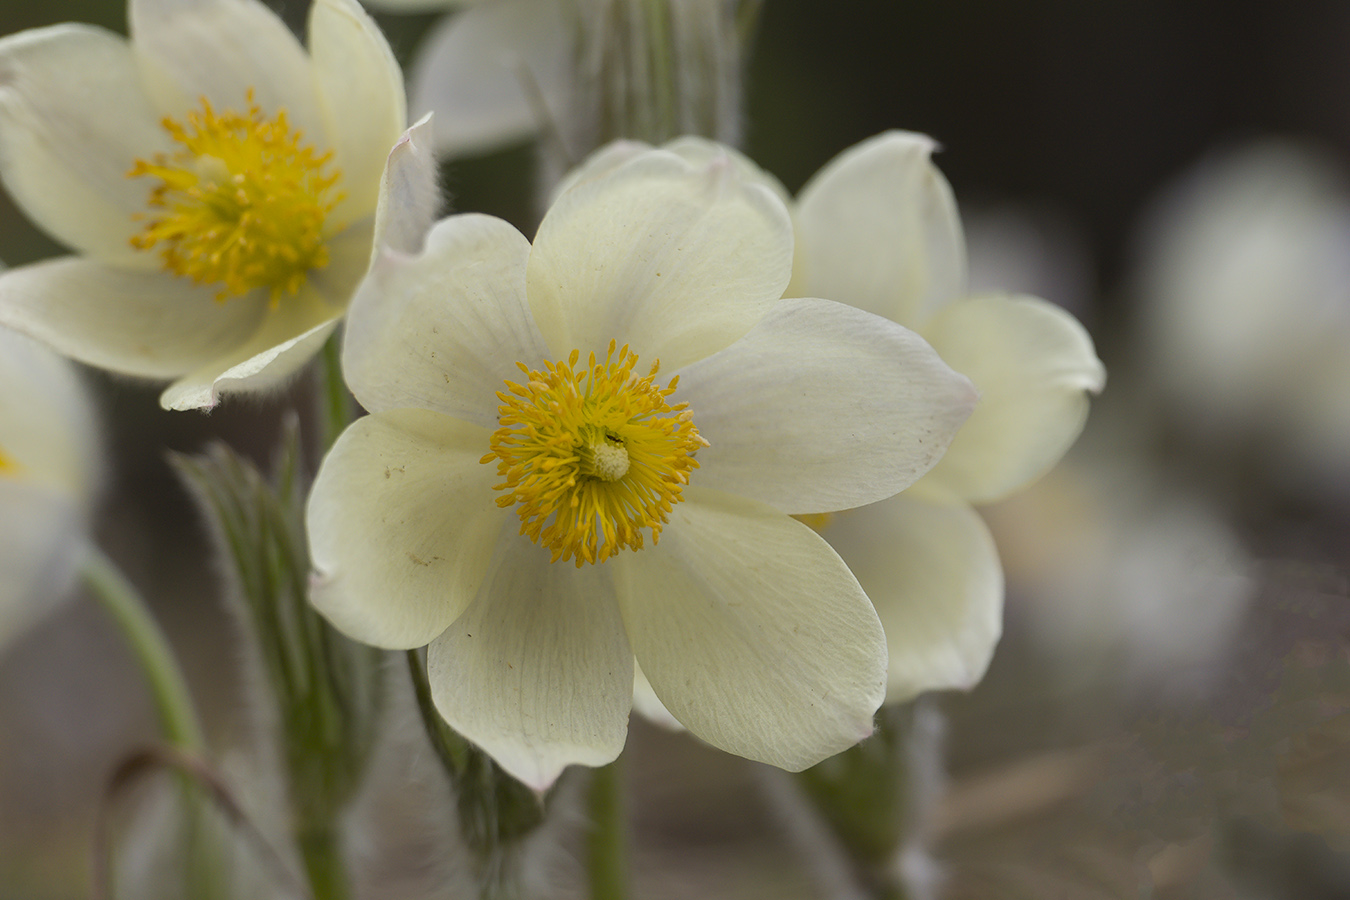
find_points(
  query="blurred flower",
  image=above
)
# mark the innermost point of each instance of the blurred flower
(877, 227)
(48, 475)
(1245, 286)
(515, 402)
(217, 182)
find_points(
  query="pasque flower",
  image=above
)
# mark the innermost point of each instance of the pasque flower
(217, 183)
(48, 476)
(588, 450)
(878, 228)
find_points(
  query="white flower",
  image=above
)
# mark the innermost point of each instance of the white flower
(48, 475)
(1244, 283)
(217, 182)
(877, 227)
(519, 427)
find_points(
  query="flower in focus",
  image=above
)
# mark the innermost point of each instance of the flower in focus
(217, 182)
(878, 228)
(48, 475)
(589, 450)
(1244, 283)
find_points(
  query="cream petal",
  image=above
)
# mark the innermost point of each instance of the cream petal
(648, 705)
(822, 407)
(878, 229)
(932, 571)
(537, 671)
(360, 88)
(48, 426)
(349, 252)
(41, 535)
(673, 260)
(752, 632)
(444, 330)
(409, 197)
(419, 6)
(402, 520)
(73, 119)
(146, 324)
(478, 69)
(220, 50)
(1033, 365)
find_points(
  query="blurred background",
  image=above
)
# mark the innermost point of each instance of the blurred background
(1169, 712)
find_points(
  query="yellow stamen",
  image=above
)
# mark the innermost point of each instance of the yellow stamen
(244, 203)
(592, 456)
(7, 465)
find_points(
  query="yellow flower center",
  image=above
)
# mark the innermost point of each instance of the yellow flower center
(242, 205)
(591, 456)
(7, 465)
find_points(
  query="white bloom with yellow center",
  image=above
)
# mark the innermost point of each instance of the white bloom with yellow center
(877, 227)
(589, 449)
(48, 474)
(217, 181)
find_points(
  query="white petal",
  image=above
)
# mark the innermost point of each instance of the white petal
(48, 426)
(41, 534)
(648, 705)
(537, 671)
(265, 363)
(418, 6)
(73, 119)
(409, 197)
(675, 261)
(878, 228)
(402, 520)
(753, 633)
(444, 330)
(822, 407)
(361, 97)
(136, 323)
(477, 71)
(1033, 365)
(220, 50)
(932, 571)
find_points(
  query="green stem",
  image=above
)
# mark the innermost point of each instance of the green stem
(150, 647)
(335, 403)
(607, 843)
(321, 852)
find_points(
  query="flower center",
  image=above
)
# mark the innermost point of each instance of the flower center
(591, 456)
(242, 205)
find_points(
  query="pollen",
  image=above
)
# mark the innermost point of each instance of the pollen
(243, 204)
(591, 456)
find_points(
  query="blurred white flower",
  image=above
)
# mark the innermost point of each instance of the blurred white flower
(877, 227)
(1244, 282)
(48, 477)
(217, 182)
(519, 431)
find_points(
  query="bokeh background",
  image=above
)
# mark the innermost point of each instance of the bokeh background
(1171, 703)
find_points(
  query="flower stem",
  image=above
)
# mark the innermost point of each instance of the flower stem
(607, 842)
(321, 853)
(335, 403)
(150, 647)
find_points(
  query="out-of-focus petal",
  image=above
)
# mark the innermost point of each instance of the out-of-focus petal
(1034, 365)
(537, 671)
(675, 261)
(483, 71)
(932, 571)
(445, 329)
(648, 705)
(136, 323)
(822, 407)
(402, 522)
(753, 632)
(73, 119)
(40, 545)
(878, 229)
(360, 88)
